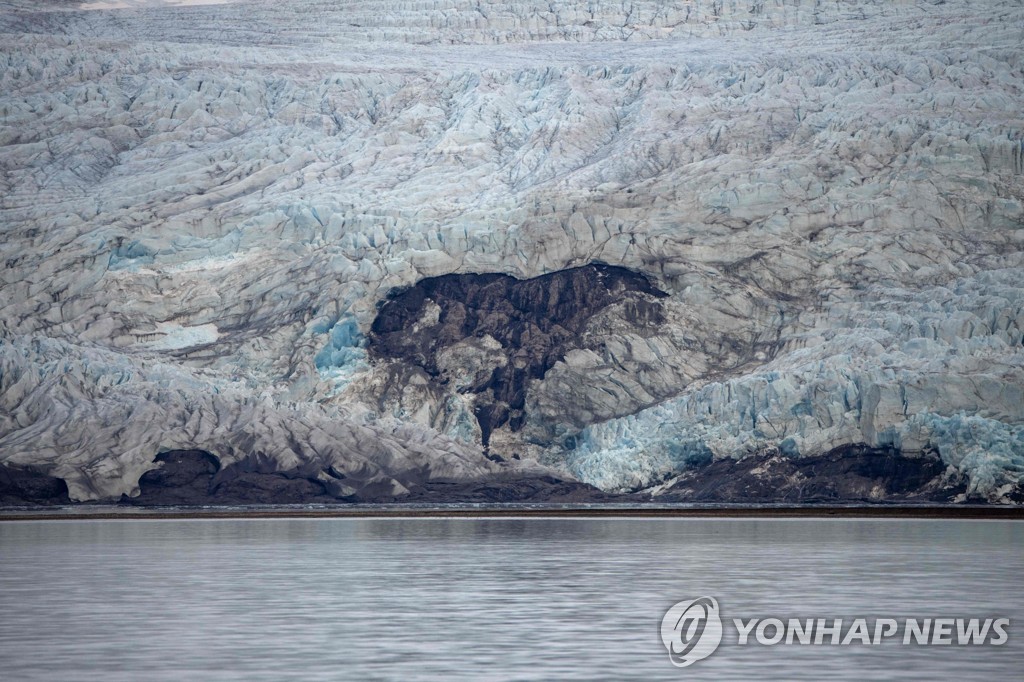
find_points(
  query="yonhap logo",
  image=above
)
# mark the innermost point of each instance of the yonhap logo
(691, 631)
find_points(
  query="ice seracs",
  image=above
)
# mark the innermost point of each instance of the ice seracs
(203, 208)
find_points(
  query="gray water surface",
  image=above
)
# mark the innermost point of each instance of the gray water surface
(482, 599)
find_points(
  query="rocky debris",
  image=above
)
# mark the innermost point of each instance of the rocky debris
(849, 474)
(25, 487)
(492, 335)
(853, 473)
(194, 478)
(513, 487)
(183, 478)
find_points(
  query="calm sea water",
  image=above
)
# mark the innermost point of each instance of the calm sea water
(487, 599)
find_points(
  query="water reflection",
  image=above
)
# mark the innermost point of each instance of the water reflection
(484, 598)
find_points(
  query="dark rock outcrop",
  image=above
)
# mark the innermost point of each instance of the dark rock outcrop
(847, 474)
(853, 474)
(26, 487)
(195, 477)
(513, 489)
(183, 478)
(534, 323)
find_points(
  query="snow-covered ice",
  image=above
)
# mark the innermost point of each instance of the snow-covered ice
(202, 207)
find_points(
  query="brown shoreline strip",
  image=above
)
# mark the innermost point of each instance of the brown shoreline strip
(882, 512)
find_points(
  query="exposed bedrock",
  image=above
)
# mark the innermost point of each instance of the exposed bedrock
(493, 336)
(855, 473)
(192, 477)
(28, 488)
(521, 365)
(846, 474)
(195, 477)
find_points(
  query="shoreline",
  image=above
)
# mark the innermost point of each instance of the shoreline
(847, 512)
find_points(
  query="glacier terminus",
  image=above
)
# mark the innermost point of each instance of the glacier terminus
(511, 250)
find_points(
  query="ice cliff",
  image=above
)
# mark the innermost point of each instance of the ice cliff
(205, 208)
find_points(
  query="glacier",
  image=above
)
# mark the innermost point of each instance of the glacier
(206, 206)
